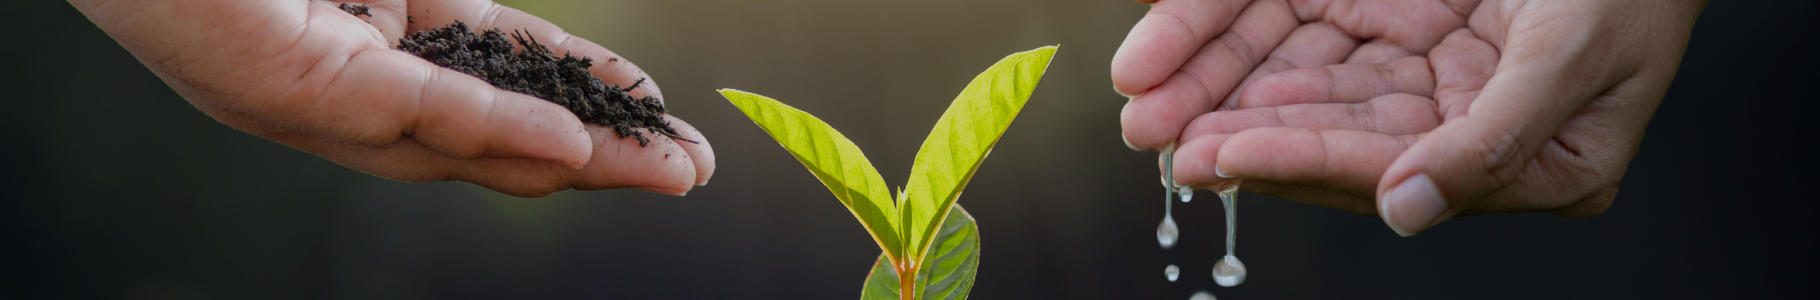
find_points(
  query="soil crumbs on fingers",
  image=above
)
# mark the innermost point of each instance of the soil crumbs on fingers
(356, 9)
(537, 71)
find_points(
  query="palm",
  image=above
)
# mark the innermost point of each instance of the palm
(313, 77)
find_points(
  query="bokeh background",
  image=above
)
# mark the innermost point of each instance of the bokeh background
(112, 187)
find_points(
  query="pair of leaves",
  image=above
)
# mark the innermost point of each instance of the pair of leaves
(951, 261)
(906, 226)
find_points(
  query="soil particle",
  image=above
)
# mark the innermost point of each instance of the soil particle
(537, 71)
(356, 9)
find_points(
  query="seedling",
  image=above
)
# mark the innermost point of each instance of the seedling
(931, 245)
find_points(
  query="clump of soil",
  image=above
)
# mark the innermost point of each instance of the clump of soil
(356, 9)
(537, 71)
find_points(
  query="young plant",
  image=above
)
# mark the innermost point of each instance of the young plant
(931, 245)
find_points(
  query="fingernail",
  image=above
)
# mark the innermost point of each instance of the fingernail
(704, 182)
(1412, 206)
(1221, 174)
(1128, 142)
(1128, 97)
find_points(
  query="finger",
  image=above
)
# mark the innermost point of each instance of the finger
(662, 167)
(485, 14)
(407, 161)
(1310, 45)
(1394, 114)
(381, 96)
(1344, 161)
(697, 148)
(1157, 117)
(1347, 83)
(1165, 38)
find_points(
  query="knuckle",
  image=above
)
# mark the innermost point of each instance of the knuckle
(1499, 159)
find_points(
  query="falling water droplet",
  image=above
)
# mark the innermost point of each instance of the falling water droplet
(1229, 271)
(1172, 272)
(1202, 295)
(1166, 233)
(1187, 194)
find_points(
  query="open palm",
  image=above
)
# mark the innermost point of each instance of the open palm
(308, 75)
(1413, 110)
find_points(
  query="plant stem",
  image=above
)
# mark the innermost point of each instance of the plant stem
(906, 280)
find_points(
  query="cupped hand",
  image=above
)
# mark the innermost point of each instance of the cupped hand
(1493, 107)
(308, 75)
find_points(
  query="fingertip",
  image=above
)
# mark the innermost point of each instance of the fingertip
(696, 147)
(1197, 159)
(1138, 65)
(1412, 206)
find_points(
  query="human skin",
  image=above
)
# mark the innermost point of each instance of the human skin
(310, 76)
(1414, 111)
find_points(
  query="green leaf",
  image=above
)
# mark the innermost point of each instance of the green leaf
(948, 268)
(961, 140)
(835, 160)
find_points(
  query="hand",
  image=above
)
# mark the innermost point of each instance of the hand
(308, 75)
(1525, 106)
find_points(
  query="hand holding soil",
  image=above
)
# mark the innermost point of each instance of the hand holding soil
(312, 76)
(1416, 111)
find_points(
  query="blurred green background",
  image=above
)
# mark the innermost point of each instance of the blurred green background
(115, 188)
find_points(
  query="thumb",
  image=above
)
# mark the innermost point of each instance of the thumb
(1468, 158)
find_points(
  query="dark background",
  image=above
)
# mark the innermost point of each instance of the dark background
(113, 187)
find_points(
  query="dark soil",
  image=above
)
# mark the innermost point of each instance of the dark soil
(537, 71)
(356, 9)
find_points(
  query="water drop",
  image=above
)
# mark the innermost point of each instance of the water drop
(1187, 194)
(1166, 233)
(1202, 295)
(1172, 272)
(1229, 271)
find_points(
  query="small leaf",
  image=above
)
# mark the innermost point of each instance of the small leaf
(835, 160)
(948, 269)
(961, 140)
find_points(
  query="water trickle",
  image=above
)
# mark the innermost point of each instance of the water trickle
(1229, 271)
(1172, 272)
(1202, 295)
(1167, 232)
